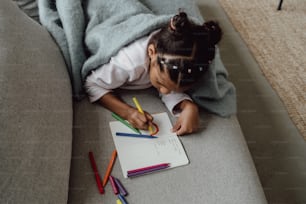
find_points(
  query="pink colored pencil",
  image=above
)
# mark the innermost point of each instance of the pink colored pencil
(114, 186)
(148, 168)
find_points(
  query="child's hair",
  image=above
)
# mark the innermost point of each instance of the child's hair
(183, 37)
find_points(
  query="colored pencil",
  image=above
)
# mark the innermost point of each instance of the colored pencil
(139, 173)
(117, 117)
(141, 111)
(121, 188)
(123, 134)
(95, 169)
(122, 199)
(114, 186)
(109, 167)
(149, 167)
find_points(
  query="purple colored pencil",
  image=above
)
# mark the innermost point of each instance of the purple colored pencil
(139, 173)
(120, 187)
(148, 168)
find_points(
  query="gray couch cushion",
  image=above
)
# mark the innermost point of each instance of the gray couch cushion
(35, 112)
(221, 169)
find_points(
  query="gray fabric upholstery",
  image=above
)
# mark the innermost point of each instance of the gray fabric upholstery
(35, 112)
(37, 123)
(220, 170)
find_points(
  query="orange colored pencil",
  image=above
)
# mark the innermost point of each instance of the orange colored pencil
(109, 168)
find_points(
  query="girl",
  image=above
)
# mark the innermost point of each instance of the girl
(171, 59)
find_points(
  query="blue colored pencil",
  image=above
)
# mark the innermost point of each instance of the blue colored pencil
(122, 199)
(135, 135)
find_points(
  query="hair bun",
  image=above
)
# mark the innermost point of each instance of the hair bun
(214, 30)
(179, 23)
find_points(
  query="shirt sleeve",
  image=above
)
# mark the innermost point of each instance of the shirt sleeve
(104, 80)
(172, 99)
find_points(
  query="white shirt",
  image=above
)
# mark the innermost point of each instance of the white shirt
(129, 69)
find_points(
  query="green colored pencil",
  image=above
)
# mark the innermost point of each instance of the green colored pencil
(117, 117)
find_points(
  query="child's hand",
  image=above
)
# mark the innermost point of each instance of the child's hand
(135, 118)
(139, 120)
(188, 122)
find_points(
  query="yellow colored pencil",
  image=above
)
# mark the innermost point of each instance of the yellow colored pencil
(137, 105)
(141, 111)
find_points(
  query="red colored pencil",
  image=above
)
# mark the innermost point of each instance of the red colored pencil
(94, 168)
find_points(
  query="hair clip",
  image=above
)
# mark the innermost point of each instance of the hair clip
(172, 26)
(163, 62)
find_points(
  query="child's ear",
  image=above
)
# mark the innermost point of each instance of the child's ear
(151, 50)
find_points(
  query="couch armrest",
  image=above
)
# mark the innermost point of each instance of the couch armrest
(35, 112)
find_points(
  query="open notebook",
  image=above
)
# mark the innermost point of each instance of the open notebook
(134, 153)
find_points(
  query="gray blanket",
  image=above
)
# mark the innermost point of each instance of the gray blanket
(90, 32)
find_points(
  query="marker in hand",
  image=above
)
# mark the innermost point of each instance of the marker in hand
(141, 111)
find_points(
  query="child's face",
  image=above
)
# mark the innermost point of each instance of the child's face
(161, 79)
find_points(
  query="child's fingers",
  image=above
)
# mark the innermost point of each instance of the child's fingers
(143, 121)
(176, 126)
(141, 124)
(180, 128)
(145, 118)
(149, 120)
(137, 123)
(184, 130)
(180, 132)
(149, 117)
(140, 120)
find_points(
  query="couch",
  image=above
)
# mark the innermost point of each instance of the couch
(46, 136)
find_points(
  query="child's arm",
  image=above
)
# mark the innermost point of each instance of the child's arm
(131, 114)
(188, 121)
